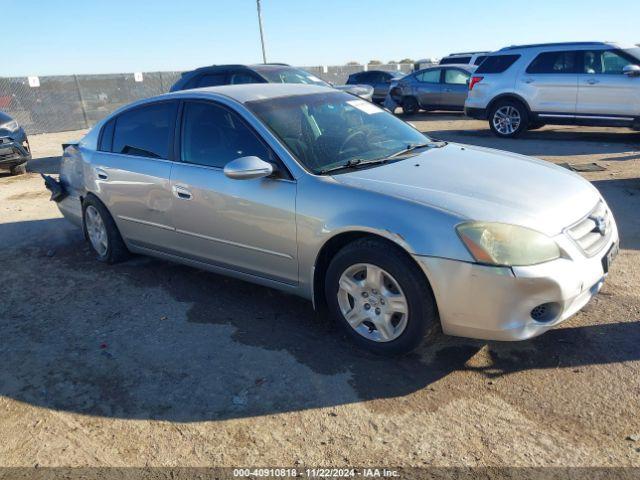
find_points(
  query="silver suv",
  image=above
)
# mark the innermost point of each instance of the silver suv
(585, 83)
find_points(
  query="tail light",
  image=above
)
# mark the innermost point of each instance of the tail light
(473, 82)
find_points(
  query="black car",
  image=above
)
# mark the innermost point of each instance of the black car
(380, 80)
(216, 75)
(14, 146)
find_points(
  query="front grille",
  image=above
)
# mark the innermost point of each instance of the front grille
(593, 232)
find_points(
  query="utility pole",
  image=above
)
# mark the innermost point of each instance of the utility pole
(264, 55)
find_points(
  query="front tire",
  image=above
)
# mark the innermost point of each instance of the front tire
(102, 232)
(19, 169)
(508, 119)
(377, 293)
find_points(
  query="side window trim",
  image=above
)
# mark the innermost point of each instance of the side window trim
(177, 143)
(170, 148)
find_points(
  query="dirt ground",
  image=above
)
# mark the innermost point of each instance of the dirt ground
(149, 363)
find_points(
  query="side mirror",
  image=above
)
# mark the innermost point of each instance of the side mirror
(631, 70)
(247, 168)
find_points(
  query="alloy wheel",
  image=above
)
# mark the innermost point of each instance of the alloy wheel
(372, 302)
(506, 120)
(96, 230)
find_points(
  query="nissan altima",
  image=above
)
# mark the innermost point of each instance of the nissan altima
(315, 192)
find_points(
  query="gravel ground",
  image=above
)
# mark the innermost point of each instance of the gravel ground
(149, 363)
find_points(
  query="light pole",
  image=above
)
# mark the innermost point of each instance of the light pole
(264, 55)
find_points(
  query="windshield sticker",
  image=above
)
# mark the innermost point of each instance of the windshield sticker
(366, 107)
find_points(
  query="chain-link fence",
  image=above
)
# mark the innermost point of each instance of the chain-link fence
(74, 102)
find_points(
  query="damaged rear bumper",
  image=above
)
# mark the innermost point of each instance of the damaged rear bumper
(69, 204)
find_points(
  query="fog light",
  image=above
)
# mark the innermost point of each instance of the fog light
(545, 312)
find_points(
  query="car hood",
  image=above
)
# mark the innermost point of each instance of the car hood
(484, 185)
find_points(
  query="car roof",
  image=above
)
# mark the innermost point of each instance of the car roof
(461, 66)
(249, 92)
(560, 44)
(264, 67)
(466, 54)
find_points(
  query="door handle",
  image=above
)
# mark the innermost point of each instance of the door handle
(592, 81)
(528, 80)
(102, 175)
(447, 89)
(181, 192)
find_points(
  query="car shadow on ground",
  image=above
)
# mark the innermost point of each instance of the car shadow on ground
(623, 197)
(94, 339)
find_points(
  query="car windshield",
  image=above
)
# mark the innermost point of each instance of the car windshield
(329, 130)
(291, 75)
(634, 52)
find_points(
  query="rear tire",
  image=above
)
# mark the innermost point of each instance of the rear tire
(19, 169)
(410, 106)
(508, 118)
(102, 232)
(398, 299)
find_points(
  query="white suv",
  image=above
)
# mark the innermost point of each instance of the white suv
(581, 83)
(466, 58)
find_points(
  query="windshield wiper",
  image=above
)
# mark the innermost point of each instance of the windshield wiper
(358, 162)
(349, 164)
(355, 163)
(414, 146)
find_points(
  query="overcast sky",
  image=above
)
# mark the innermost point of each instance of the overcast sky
(108, 36)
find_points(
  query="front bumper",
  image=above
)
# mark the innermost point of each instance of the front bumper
(496, 303)
(13, 153)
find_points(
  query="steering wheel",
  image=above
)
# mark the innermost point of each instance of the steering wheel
(350, 138)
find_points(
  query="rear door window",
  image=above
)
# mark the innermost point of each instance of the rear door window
(244, 77)
(211, 80)
(429, 76)
(497, 63)
(145, 131)
(354, 78)
(106, 136)
(454, 76)
(553, 62)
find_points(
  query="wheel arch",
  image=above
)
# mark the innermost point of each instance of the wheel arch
(83, 198)
(332, 246)
(508, 96)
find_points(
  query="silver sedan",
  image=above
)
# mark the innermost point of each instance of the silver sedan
(433, 88)
(315, 192)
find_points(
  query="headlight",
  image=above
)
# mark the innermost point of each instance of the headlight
(507, 245)
(11, 126)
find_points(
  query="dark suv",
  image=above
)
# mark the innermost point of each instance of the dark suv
(380, 80)
(216, 75)
(14, 146)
